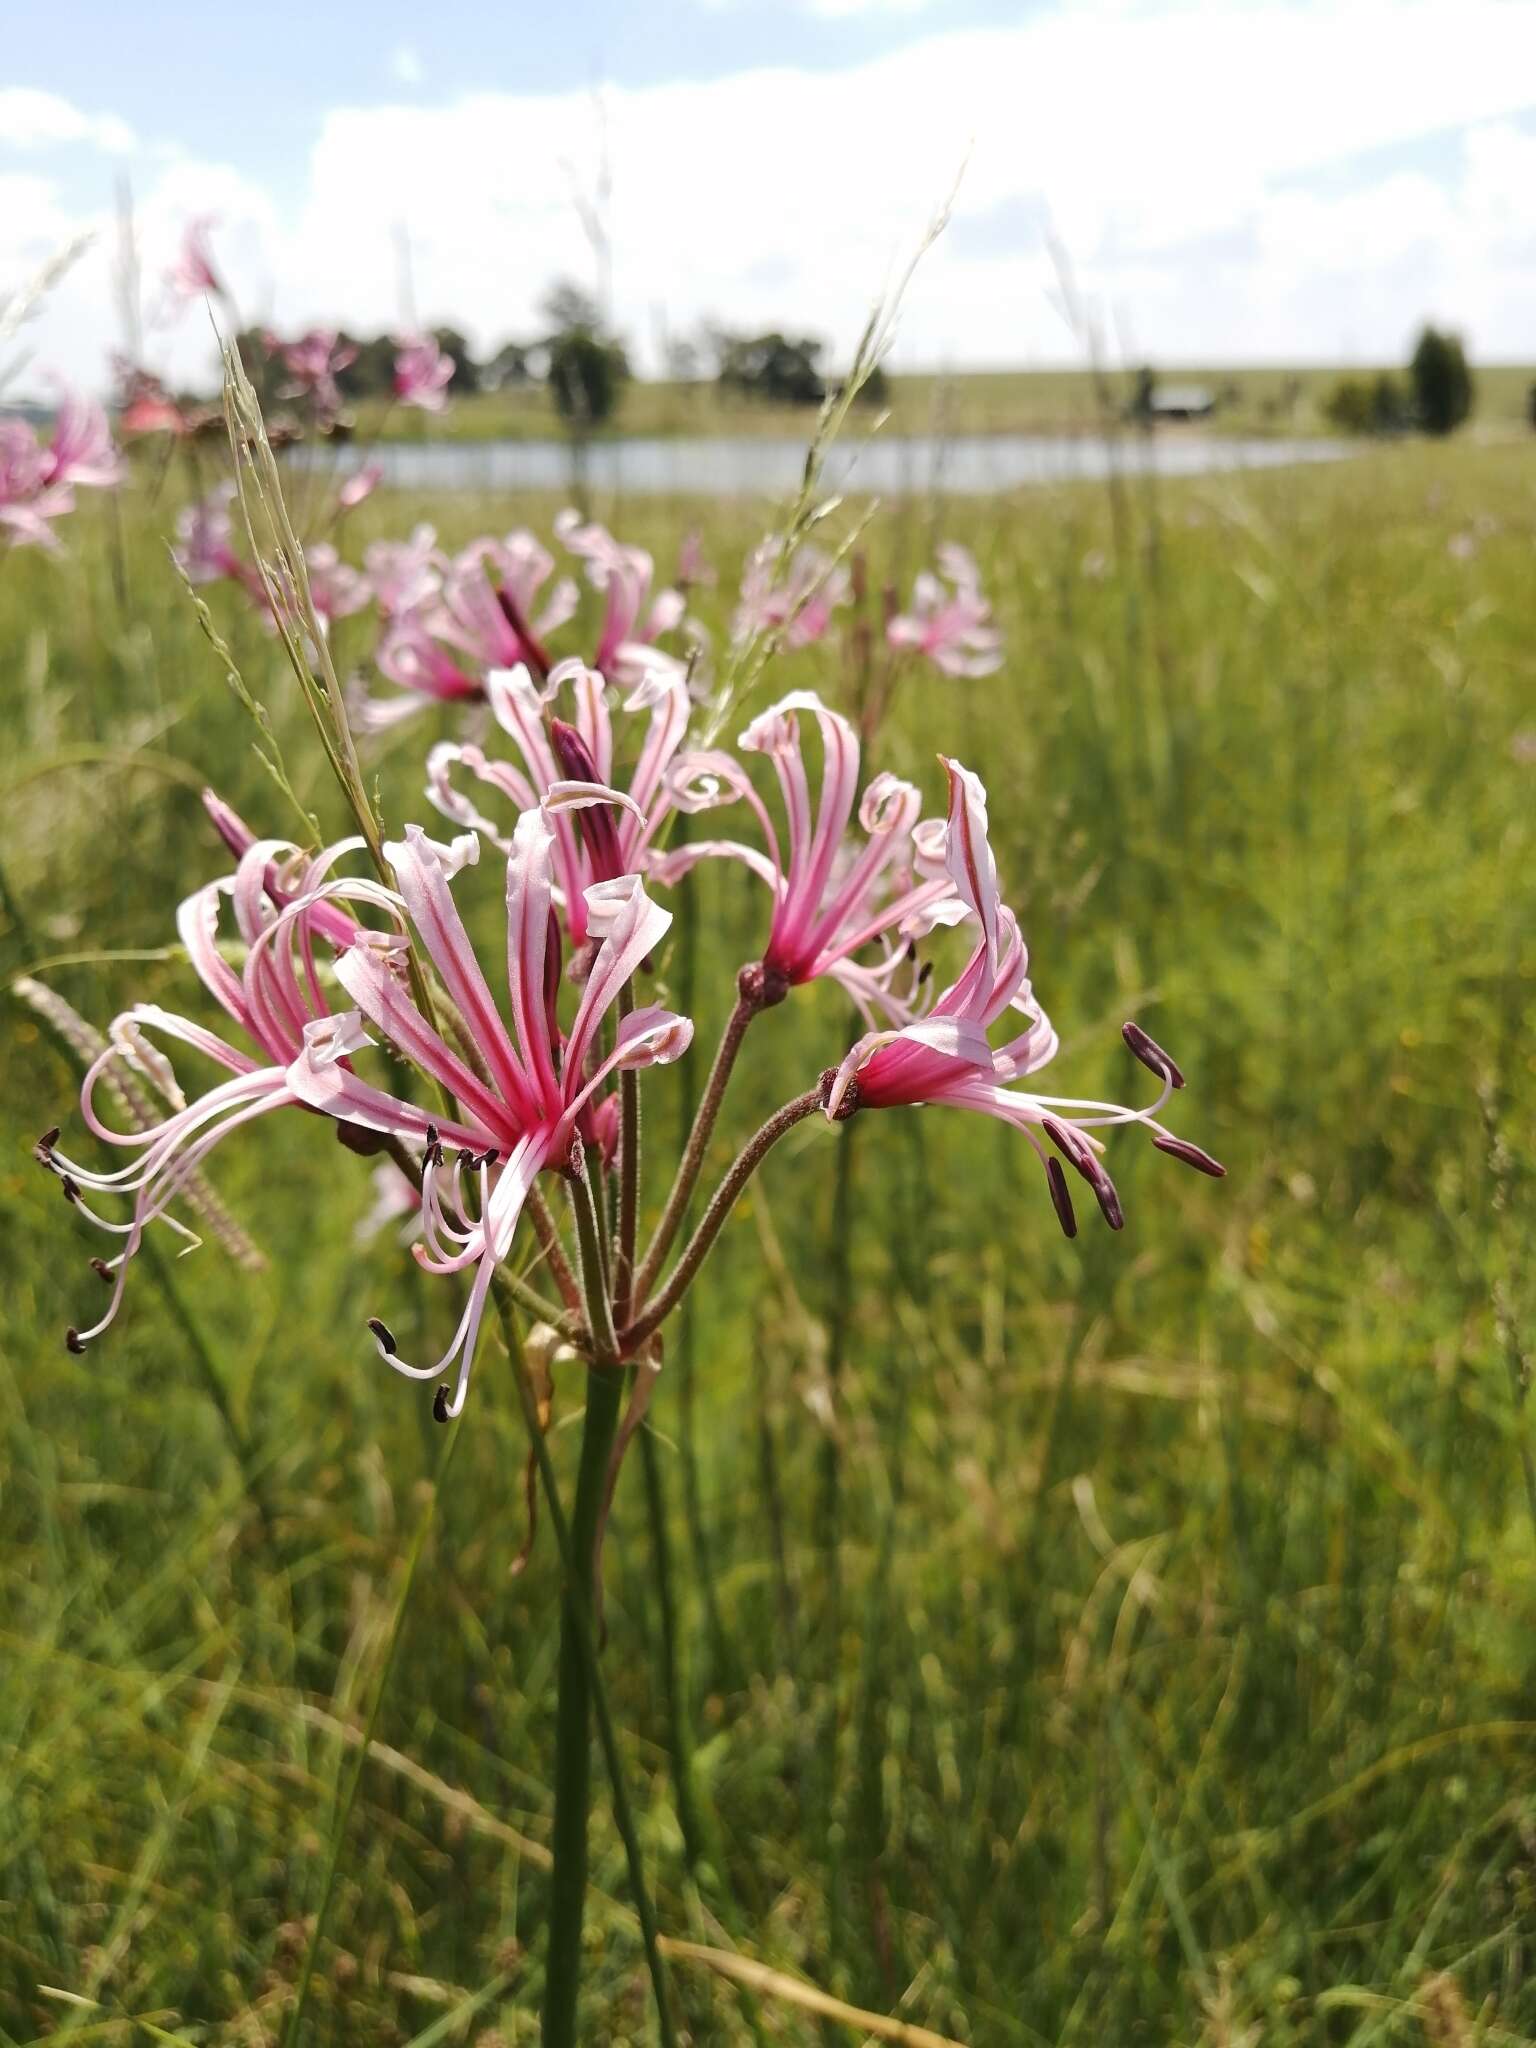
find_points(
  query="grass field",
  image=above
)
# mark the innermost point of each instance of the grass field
(1125, 1641)
(1275, 399)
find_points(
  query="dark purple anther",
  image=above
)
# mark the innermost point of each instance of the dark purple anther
(42, 1151)
(1151, 1055)
(1104, 1194)
(1180, 1148)
(74, 1343)
(1076, 1151)
(383, 1336)
(1062, 1200)
(440, 1405)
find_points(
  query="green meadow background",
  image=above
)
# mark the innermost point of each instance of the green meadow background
(1123, 1641)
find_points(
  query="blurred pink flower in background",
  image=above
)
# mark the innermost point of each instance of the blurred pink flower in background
(313, 363)
(360, 486)
(337, 588)
(204, 546)
(694, 569)
(799, 598)
(405, 574)
(194, 274)
(953, 628)
(422, 373)
(623, 574)
(38, 479)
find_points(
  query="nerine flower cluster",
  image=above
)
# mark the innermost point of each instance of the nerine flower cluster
(334, 979)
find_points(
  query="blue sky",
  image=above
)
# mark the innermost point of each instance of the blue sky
(1278, 179)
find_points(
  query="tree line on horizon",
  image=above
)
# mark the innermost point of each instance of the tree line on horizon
(584, 363)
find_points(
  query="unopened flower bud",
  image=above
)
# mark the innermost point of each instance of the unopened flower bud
(596, 823)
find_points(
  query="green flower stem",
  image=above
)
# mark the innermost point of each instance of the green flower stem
(594, 1263)
(687, 1175)
(577, 1618)
(629, 1177)
(573, 1722)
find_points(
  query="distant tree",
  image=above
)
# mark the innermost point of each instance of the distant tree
(1368, 405)
(1530, 405)
(683, 359)
(1143, 392)
(372, 374)
(1441, 382)
(568, 305)
(585, 366)
(510, 365)
(776, 368)
(585, 377)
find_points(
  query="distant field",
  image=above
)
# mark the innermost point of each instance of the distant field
(1268, 400)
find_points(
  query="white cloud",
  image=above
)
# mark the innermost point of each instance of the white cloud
(34, 120)
(1189, 156)
(838, 10)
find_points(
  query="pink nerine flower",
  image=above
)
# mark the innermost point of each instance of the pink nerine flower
(405, 575)
(313, 363)
(335, 586)
(193, 274)
(27, 505)
(946, 1057)
(81, 451)
(282, 902)
(360, 486)
(694, 569)
(800, 605)
(521, 1116)
(448, 624)
(829, 902)
(204, 548)
(952, 627)
(579, 750)
(623, 575)
(38, 481)
(422, 373)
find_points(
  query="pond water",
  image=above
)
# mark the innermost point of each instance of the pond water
(747, 467)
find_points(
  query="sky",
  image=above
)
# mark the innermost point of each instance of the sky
(1279, 181)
